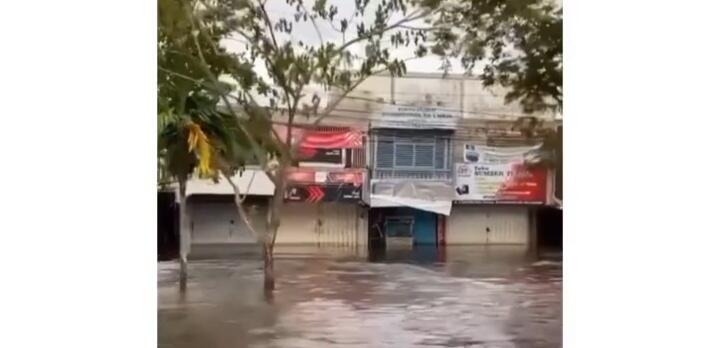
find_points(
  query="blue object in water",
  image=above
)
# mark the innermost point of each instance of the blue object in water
(424, 228)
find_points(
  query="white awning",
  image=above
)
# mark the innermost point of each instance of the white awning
(433, 196)
(437, 207)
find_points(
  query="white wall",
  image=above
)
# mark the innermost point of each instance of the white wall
(424, 89)
(488, 103)
(252, 181)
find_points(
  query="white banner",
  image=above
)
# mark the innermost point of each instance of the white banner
(481, 182)
(435, 197)
(417, 117)
(492, 174)
(473, 153)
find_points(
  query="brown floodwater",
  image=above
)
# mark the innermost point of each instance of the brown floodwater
(470, 296)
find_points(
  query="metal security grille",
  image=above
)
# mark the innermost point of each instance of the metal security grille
(411, 154)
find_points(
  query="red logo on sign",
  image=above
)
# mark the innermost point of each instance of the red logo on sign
(315, 194)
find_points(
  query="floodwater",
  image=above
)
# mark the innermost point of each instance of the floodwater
(474, 296)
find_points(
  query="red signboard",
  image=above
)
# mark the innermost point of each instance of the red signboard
(316, 185)
(326, 193)
(325, 176)
(343, 138)
(524, 185)
(308, 154)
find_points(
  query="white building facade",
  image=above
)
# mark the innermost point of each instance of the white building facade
(433, 151)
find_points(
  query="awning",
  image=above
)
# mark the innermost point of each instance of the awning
(437, 207)
(433, 196)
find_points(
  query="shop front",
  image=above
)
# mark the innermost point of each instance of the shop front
(322, 207)
(410, 193)
(496, 196)
(323, 189)
(406, 212)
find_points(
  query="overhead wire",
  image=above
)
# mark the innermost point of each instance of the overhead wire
(404, 104)
(458, 111)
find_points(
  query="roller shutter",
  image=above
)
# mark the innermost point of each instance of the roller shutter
(488, 225)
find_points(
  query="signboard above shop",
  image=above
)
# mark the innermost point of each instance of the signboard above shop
(499, 183)
(473, 153)
(417, 117)
(329, 156)
(326, 193)
(314, 185)
(495, 175)
(339, 138)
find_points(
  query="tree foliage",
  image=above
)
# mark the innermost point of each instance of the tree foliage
(292, 64)
(192, 131)
(192, 60)
(223, 125)
(515, 43)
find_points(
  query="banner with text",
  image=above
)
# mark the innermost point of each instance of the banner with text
(509, 183)
(341, 138)
(315, 185)
(417, 117)
(475, 153)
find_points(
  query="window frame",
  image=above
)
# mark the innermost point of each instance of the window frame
(396, 140)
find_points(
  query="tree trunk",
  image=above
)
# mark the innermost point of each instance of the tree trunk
(268, 268)
(184, 234)
(265, 241)
(272, 229)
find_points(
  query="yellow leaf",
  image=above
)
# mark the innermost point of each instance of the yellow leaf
(194, 132)
(198, 142)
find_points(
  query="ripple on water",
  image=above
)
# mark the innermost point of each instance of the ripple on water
(328, 303)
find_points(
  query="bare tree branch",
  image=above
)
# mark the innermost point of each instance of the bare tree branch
(239, 201)
(423, 28)
(328, 110)
(199, 82)
(312, 20)
(397, 24)
(269, 25)
(286, 89)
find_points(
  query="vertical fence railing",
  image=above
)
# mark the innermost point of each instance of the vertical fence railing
(411, 174)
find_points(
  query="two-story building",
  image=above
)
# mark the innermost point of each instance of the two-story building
(410, 173)
(445, 165)
(422, 159)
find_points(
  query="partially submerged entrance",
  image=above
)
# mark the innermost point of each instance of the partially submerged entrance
(398, 226)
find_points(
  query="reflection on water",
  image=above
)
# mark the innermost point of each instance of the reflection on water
(471, 296)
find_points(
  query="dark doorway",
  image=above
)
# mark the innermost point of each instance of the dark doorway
(420, 227)
(167, 226)
(550, 228)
